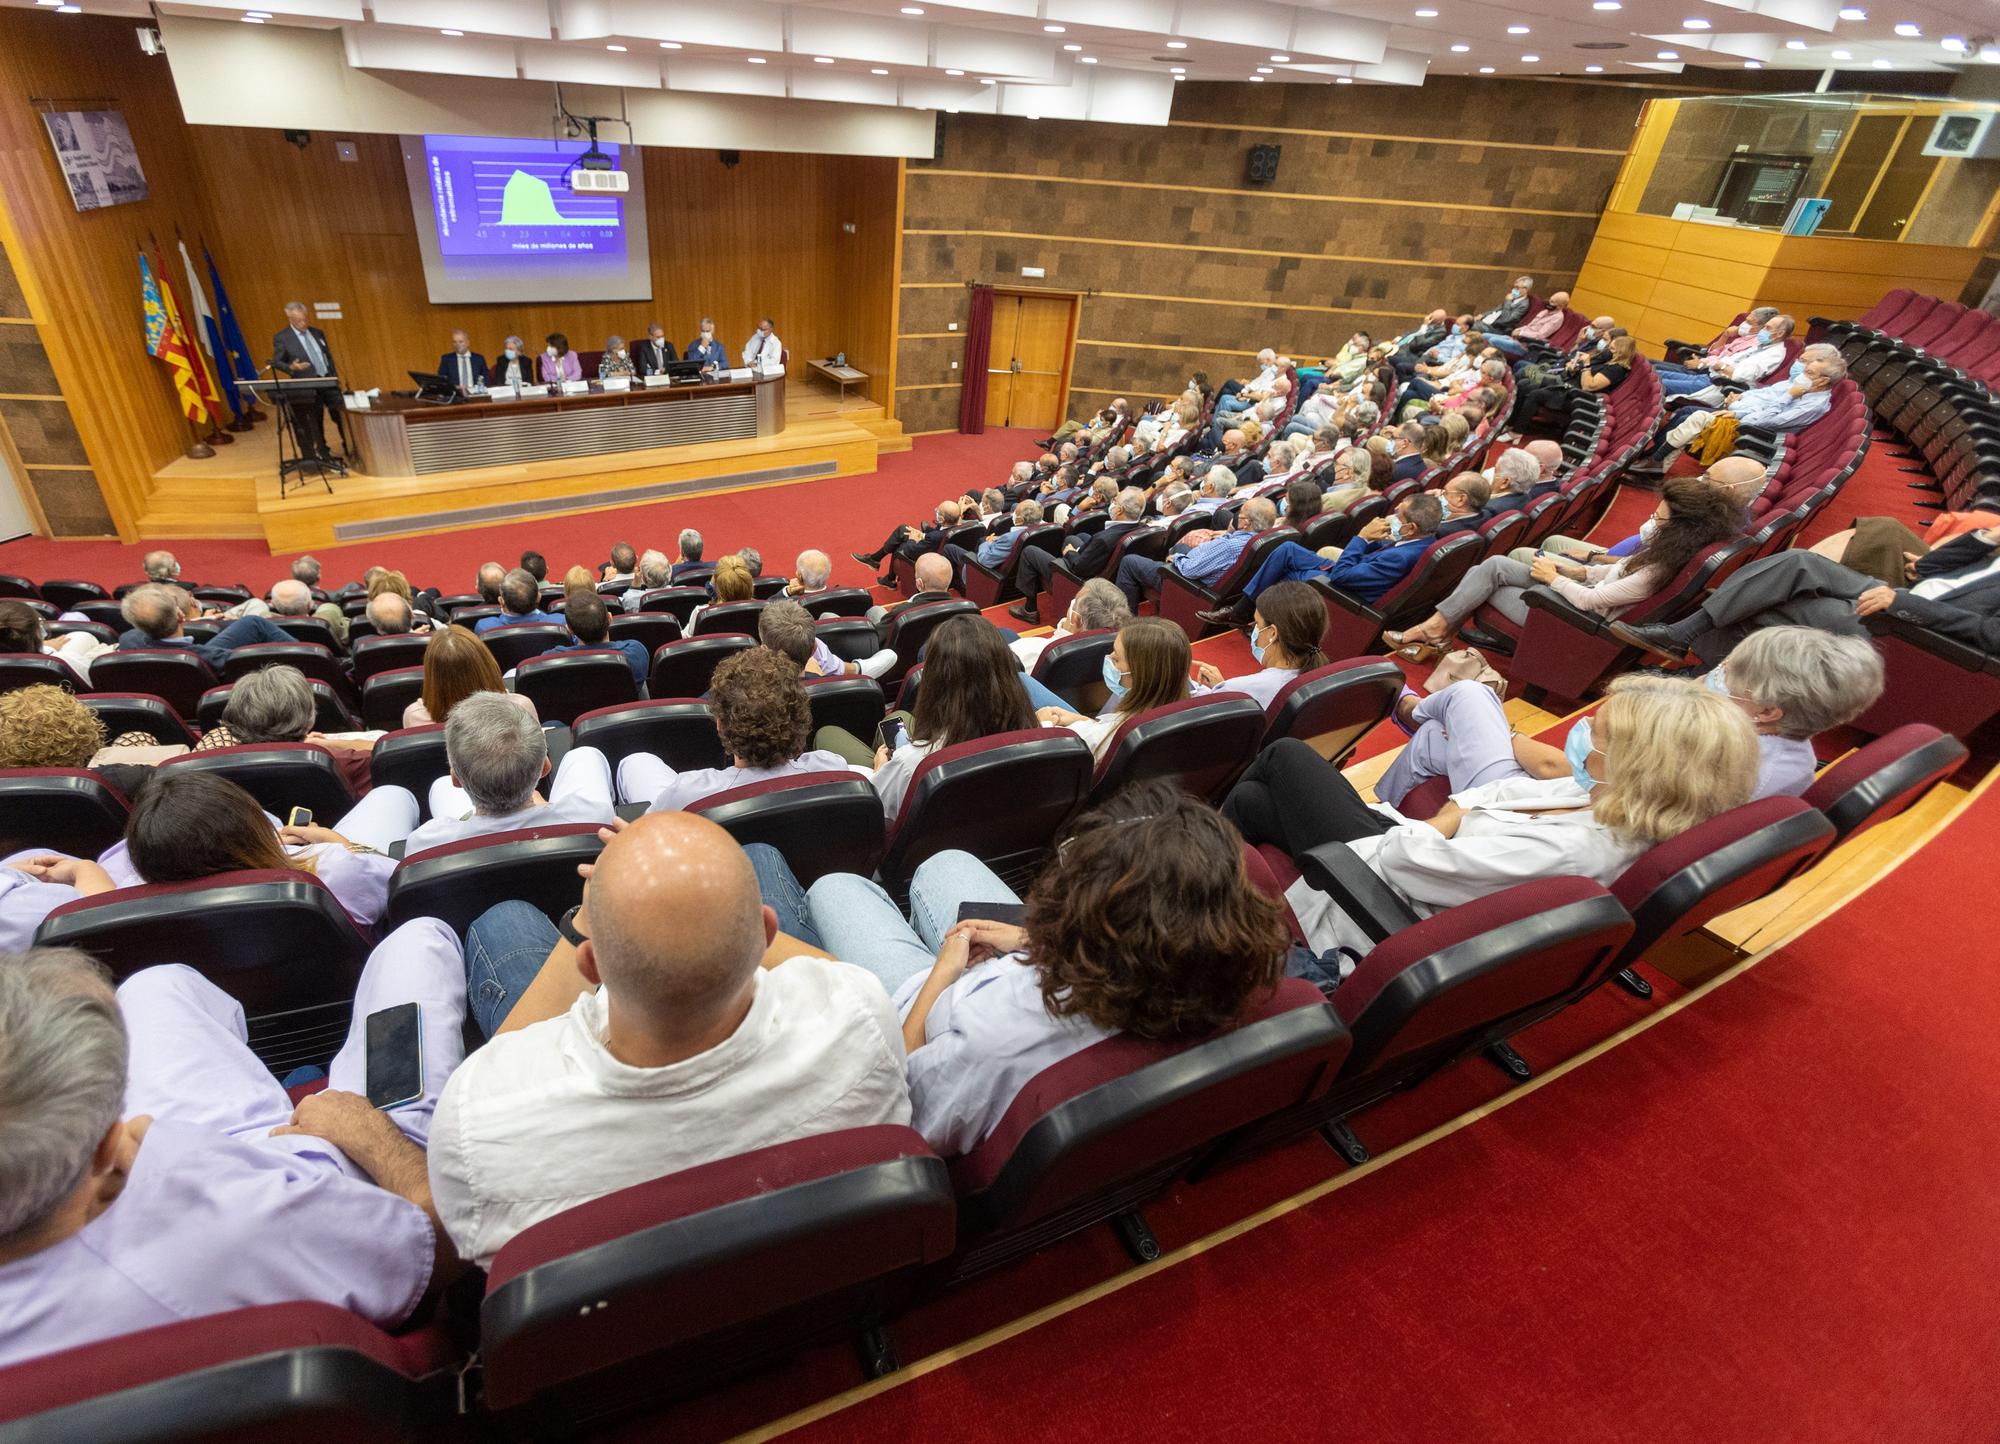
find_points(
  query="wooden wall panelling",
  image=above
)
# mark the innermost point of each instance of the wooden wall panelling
(78, 271)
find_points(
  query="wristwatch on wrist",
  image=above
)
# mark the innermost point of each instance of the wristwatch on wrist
(566, 925)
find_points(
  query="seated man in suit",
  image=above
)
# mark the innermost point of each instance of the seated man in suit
(1539, 327)
(1380, 555)
(1087, 558)
(499, 755)
(1200, 556)
(1408, 349)
(691, 569)
(650, 356)
(933, 572)
(462, 366)
(1464, 498)
(154, 615)
(520, 601)
(911, 542)
(1515, 472)
(999, 541)
(707, 350)
(1513, 307)
(1953, 591)
(157, 1172)
(589, 622)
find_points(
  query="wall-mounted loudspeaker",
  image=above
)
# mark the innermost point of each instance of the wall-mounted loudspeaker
(1263, 164)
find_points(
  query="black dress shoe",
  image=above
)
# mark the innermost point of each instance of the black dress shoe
(867, 559)
(1230, 616)
(1022, 613)
(1658, 640)
(1486, 641)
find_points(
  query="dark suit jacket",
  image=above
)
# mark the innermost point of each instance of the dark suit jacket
(647, 360)
(917, 600)
(1090, 559)
(688, 573)
(530, 371)
(711, 355)
(1407, 468)
(447, 367)
(287, 348)
(1455, 525)
(1504, 502)
(1972, 616)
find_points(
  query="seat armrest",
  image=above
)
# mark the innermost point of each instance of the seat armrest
(1376, 908)
(1884, 624)
(1337, 598)
(1591, 624)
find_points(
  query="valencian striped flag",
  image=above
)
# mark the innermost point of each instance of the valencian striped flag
(204, 378)
(165, 341)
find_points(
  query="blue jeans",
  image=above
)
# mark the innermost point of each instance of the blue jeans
(507, 944)
(1507, 346)
(862, 926)
(1674, 381)
(1040, 696)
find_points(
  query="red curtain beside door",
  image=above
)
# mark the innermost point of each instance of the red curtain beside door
(978, 346)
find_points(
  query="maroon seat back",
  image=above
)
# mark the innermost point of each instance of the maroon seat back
(387, 695)
(1201, 744)
(65, 809)
(280, 775)
(122, 712)
(853, 704)
(679, 602)
(176, 674)
(680, 733)
(412, 758)
(33, 669)
(514, 643)
(316, 662)
(66, 596)
(1332, 708)
(821, 822)
(659, 1289)
(651, 630)
(1885, 778)
(1001, 798)
(563, 686)
(1073, 668)
(724, 617)
(374, 655)
(457, 881)
(838, 602)
(684, 668)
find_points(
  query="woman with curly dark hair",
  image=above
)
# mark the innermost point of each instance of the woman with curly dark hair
(763, 719)
(1144, 923)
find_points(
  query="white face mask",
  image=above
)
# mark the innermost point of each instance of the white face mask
(550, 351)
(706, 337)
(620, 353)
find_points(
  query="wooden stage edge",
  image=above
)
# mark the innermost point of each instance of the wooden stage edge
(235, 493)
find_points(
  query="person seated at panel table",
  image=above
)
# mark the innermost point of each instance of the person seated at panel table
(514, 366)
(462, 366)
(651, 355)
(707, 350)
(616, 360)
(559, 363)
(764, 350)
(157, 1172)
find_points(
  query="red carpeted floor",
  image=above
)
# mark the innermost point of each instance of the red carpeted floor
(838, 515)
(1771, 1216)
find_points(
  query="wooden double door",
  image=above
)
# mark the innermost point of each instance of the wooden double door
(1027, 365)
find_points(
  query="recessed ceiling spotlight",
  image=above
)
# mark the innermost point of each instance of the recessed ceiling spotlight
(1180, 70)
(670, 45)
(1281, 59)
(1954, 43)
(1753, 65)
(1460, 49)
(454, 34)
(1593, 70)
(1485, 70)
(1265, 70)
(757, 60)
(954, 72)
(877, 70)
(1795, 45)
(1343, 80)
(618, 49)
(1258, 79)
(1517, 30)
(1843, 55)
(913, 9)
(1529, 59)
(1427, 14)
(1054, 29)
(1605, 5)
(1853, 12)
(247, 19)
(987, 80)
(1668, 55)
(1086, 60)
(1179, 75)
(1880, 64)
(1072, 49)
(78, 10)
(1177, 45)
(1695, 24)
(822, 60)
(1909, 30)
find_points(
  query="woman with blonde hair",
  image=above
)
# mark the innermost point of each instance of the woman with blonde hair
(731, 582)
(456, 665)
(1148, 667)
(1660, 756)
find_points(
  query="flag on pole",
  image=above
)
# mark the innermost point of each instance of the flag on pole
(234, 347)
(211, 394)
(164, 340)
(207, 333)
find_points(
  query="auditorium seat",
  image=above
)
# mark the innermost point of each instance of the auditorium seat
(98, 630)
(989, 586)
(470, 617)
(278, 942)
(224, 597)
(1002, 798)
(679, 602)
(515, 642)
(852, 639)
(62, 809)
(1180, 598)
(726, 617)
(680, 733)
(768, 589)
(330, 711)
(1885, 778)
(838, 602)
(66, 596)
(295, 1371)
(457, 881)
(1202, 744)
(1438, 989)
(386, 695)
(1094, 1137)
(652, 630)
(903, 571)
(373, 655)
(122, 712)
(1332, 708)
(684, 668)
(1072, 667)
(316, 662)
(109, 613)
(666, 1288)
(1928, 678)
(29, 669)
(1065, 582)
(177, 675)
(910, 627)
(821, 822)
(1354, 627)
(309, 629)
(410, 757)
(280, 775)
(852, 703)
(565, 686)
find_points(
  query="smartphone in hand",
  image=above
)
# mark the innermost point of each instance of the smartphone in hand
(891, 733)
(299, 817)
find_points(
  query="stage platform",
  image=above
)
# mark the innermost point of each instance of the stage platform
(235, 492)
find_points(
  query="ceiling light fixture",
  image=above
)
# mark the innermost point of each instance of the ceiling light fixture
(1880, 64)
(1593, 70)
(987, 80)
(1054, 29)
(1343, 80)
(913, 9)
(616, 49)
(1517, 30)
(1695, 24)
(454, 34)
(1460, 48)
(1427, 14)
(247, 19)
(1954, 43)
(1843, 55)
(954, 72)
(1909, 31)
(757, 60)
(822, 60)
(1180, 70)
(1265, 70)
(1753, 65)
(1485, 70)
(1530, 59)
(1281, 59)
(1072, 49)
(1177, 45)
(1668, 55)
(1606, 5)
(670, 45)
(78, 10)
(1795, 45)
(1086, 60)
(877, 70)
(1258, 79)
(1853, 12)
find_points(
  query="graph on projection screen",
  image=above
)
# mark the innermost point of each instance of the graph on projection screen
(497, 221)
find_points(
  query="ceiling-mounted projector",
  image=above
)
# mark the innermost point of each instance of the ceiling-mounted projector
(582, 180)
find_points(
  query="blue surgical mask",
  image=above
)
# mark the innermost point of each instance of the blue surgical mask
(1395, 529)
(511, 353)
(1577, 748)
(1716, 681)
(1114, 680)
(1763, 337)
(1256, 647)
(1798, 370)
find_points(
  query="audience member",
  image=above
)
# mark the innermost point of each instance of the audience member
(1790, 404)
(1464, 498)
(1285, 632)
(1086, 558)
(21, 634)
(1097, 606)
(458, 665)
(1794, 683)
(933, 576)
(1148, 666)
(1201, 556)
(812, 574)
(1515, 475)
(154, 614)
(535, 565)
(690, 567)
(1379, 556)
(520, 601)
(589, 622)
(1558, 399)
(911, 542)
(491, 575)
(787, 627)
(729, 582)
(655, 574)
(498, 754)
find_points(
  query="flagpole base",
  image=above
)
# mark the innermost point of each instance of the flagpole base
(200, 451)
(239, 425)
(219, 438)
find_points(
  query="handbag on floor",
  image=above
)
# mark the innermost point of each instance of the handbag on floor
(1465, 664)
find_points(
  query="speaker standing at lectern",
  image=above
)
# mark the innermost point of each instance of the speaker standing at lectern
(300, 351)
